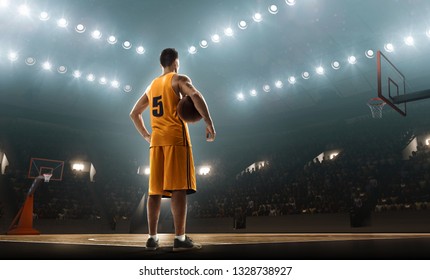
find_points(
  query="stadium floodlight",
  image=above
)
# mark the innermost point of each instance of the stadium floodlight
(80, 28)
(140, 50)
(77, 74)
(273, 9)
(192, 50)
(204, 170)
(115, 84)
(12, 56)
(91, 77)
(352, 59)
(127, 88)
(147, 171)
(112, 40)
(253, 92)
(126, 45)
(370, 53)
(290, 2)
(306, 75)
(319, 70)
(62, 69)
(96, 34)
(279, 84)
(266, 88)
(409, 40)
(292, 80)
(62, 22)
(240, 96)
(242, 24)
(24, 10)
(335, 65)
(228, 32)
(102, 81)
(389, 47)
(78, 167)
(47, 65)
(203, 44)
(257, 17)
(44, 16)
(215, 38)
(30, 61)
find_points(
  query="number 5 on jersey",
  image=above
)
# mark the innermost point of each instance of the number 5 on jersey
(157, 107)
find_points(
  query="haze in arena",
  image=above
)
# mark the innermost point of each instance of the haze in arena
(321, 116)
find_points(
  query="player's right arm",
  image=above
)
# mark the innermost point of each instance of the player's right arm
(136, 116)
(186, 88)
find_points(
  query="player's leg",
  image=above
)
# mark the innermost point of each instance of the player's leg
(153, 210)
(179, 211)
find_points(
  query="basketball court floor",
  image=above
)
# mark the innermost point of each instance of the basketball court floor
(219, 246)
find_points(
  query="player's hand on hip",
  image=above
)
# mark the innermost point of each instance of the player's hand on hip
(210, 133)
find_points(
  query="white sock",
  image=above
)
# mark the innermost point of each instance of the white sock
(180, 237)
(155, 237)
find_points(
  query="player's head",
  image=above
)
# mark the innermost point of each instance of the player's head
(169, 57)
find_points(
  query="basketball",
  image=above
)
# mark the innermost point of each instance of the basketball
(187, 111)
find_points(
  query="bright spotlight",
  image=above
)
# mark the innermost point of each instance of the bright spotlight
(335, 65)
(112, 40)
(4, 3)
(140, 50)
(257, 17)
(91, 77)
(126, 45)
(279, 84)
(203, 44)
(192, 50)
(266, 88)
(44, 16)
(62, 22)
(147, 171)
(30, 61)
(409, 41)
(243, 25)
(240, 97)
(96, 34)
(292, 80)
(78, 167)
(273, 9)
(320, 70)
(215, 38)
(24, 10)
(115, 84)
(290, 2)
(80, 28)
(306, 75)
(77, 74)
(62, 69)
(352, 59)
(389, 47)
(370, 53)
(47, 65)
(102, 81)
(204, 170)
(12, 56)
(229, 32)
(127, 88)
(253, 92)
(428, 33)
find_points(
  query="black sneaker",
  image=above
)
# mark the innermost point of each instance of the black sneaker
(151, 244)
(186, 245)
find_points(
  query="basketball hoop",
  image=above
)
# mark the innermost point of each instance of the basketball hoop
(47, 177)
(376, 105)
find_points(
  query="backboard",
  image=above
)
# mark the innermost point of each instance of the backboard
(40, 166)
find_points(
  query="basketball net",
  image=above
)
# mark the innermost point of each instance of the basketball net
(47, 177)
(376, 105)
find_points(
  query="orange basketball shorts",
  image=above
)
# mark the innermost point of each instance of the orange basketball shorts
(171, 169)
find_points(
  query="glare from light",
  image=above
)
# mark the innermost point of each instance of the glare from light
(306, 75)
(253, 92)
(127, 88)
(320, 70)
(91, 77)
(62, 22)
(409, 40)
(240, 96)
(273, 9)
(47, 65)
(147, 171)
(24, 10)
(140, 50)
(96, 34)
(102, 81)
(204, 170)
(428, 32)
(78, 166)
(335, 65)
(333, 155)
(4, 3)
(352, 59)
(80, 28)
(290, 2)
(229, 32)
(77, 74)
(126, 45)
(62, 69)
(292, 80)
(279, 84)
(203, 44)
(44, 16)
(266, 88)
(243, 25)
(428, 142)
(115, 84)
(112, 40)
(370, 53)
(30, 61)
(192, 50)
(215, 38)
(257, 17)
(12, 56)
(389, 47)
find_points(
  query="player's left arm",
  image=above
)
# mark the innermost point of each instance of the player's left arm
(136, 116)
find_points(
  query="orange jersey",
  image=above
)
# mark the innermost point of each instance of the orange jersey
(167, 128)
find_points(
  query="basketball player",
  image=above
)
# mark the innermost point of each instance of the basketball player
(171, 160)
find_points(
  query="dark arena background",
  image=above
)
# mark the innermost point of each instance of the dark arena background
(307, 164)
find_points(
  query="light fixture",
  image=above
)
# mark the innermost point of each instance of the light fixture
(240, 96)
(369, 53)
(62, 22)
(257, 17)
(126, 45)
(229, 32)
(96, 34)
(192, 50)
(273, 9)
(279, 84)
(266, 88)
(44, 16)
(115, 84)
(292, 80)
(243, 25)
(140, 50)
(24, 10)
(409, 40)
(389, 47)
(62, 69)
(290, 2)
(102, 81)
(147, 171)
(306, 75)
(335, 65)
(12, 56)
(91, 77)
(428, 32)
(253, 92)
(80, 28)
(352, 59)
(112, 40)
(215, 38)
(77, 74)
(30, 61)
(4, 3)
(204, 170)
(320, 70)
(78, 166)
(47, 65)
(203, 44)
(127, 88)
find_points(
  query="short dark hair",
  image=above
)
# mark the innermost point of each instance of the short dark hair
(168, 56)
